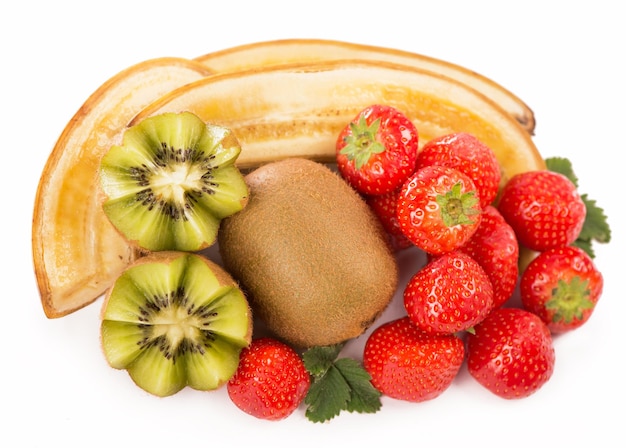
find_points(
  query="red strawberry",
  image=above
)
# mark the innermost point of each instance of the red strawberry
(451, 293)
(511, 353)
(271, 380)
(494, 246)
(544, 208)
(438, 209)
(409, 364)
(384, 206)
(377, 150)
(562, 286)
(469, 155)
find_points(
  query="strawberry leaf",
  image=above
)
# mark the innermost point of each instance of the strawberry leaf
(328, 395)
(337, 385)
(596, 227)
(563, 166)
(364, 398)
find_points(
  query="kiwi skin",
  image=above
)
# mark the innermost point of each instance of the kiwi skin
(310, 254)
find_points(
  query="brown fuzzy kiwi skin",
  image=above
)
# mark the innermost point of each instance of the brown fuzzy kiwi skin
(310, 254)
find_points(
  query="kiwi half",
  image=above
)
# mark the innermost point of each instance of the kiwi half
(310, 254)
(175, 319)
(171, 182)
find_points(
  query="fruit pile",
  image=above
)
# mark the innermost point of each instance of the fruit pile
(312, 172)
(449, 205)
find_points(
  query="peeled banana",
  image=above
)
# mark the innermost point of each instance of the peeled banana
(281, 101)
(285, 51)
(76, 251)
(298, 110)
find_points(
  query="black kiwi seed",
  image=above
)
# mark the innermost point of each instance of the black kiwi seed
(175, 319)
(172, 181)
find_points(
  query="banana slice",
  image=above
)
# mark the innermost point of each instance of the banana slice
(298, 110)
(268, 53)
(76, 251)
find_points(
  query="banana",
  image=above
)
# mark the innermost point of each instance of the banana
(76, 252)
(298, 110)
(276, 111)
(268, 53)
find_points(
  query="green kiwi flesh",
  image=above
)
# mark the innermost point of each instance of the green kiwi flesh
(175, 319)
(309, 253)
(171, 181)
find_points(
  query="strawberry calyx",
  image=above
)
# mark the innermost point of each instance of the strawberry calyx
(457, 207)
(569, 300)
(361, 144)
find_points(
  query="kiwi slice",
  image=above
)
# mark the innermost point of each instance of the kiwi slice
(175, 319)
(171, 182)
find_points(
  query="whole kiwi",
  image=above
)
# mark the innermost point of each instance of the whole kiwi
(309, 253)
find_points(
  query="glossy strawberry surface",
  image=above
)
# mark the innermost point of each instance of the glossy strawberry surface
(469, 155)
(384, 206)
(494, 246)
(544, 208)
(377, 150)
(271, 380)
(511, 353)
(562, 286)
(451, 293)
(438, 209)
(409, 364)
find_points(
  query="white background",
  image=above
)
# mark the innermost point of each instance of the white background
(566, 62)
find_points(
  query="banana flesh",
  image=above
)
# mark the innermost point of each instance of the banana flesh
(277, 110)
(76, 251)
(285, 51)
(298, 110)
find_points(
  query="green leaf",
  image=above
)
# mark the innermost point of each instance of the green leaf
(364, 397)
(596, 227)
(337, 385)
(317, 360)
(327, 397)
(361, 143)
(563, 166)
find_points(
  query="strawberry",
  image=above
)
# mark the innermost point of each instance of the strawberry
(469, 155)
(562, 286)
(271, 380)
(409, 364)
(511, 353)
(438, 209)
(384, 207)
(494, 246)
(377, 150)
(451, 293)
(544, 208)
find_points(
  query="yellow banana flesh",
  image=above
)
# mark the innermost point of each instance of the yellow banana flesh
(76, 251)
(298, 110)
(285, 51)
(295, 110)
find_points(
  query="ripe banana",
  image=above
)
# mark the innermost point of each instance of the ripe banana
(76, 251)
(276, 110)
(276, 52)
(298, 110)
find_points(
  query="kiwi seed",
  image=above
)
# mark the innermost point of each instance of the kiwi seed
(175, 319)
(172, 181)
